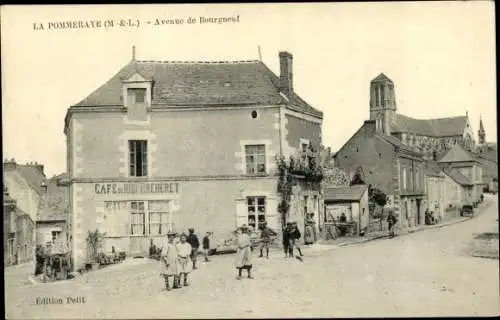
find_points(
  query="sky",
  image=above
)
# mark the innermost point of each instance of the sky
(440, 55)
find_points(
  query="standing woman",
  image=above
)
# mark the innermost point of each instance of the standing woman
(169, 262)
(183, 260)
(244, 254)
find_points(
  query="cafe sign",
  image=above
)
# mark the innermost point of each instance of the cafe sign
(137, 188)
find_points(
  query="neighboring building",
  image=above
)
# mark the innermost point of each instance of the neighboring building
(435, 189)
(26, 187)
(455, 187)
(352, 201)
(432, 137)
(172, 145)
(51, 221)
(389, 165)
(18, 233)
(487, 155)
(465, 189)
(459, 160)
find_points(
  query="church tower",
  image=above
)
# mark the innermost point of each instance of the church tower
(382, 103)
(481, 133)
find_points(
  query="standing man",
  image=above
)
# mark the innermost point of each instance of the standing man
(391, 221)
(192, 239)
(265, 238)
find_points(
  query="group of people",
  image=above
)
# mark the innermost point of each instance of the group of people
(179, 257)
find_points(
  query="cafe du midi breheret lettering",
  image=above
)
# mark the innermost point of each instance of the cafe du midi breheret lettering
(137, 188)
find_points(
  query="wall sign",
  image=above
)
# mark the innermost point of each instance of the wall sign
(137, 188)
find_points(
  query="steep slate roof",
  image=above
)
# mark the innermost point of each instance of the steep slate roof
(345, 193)
(457, 154)
(432, 168)
(33, 176)
(396, 142)
(200, 83)
(458, 177)
(443, 127)
(55, 203)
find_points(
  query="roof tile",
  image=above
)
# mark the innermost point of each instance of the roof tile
(347, 193)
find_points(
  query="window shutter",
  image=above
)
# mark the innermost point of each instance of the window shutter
(272, 215)
(241, 212)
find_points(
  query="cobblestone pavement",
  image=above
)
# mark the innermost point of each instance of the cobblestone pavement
(427, 273)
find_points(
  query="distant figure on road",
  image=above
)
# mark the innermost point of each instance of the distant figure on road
(265, 237)
(391, 221)
(244, 254)
(169, 262)
(183, 260)
(192, 239)
(206, 245)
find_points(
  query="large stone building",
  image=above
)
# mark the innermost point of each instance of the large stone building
(390, 166)
(24, 188)
(172, 145)
(432, 137)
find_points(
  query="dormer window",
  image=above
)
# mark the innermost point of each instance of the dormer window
(136, 95)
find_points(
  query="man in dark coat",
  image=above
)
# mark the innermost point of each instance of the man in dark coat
(192, 239)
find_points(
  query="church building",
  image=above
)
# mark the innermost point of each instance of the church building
(432, 137)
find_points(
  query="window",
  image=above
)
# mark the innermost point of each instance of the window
(255, 156)
(158, 217)
(55, 235)
(136, 95)
(404, 178)
(382, 95)
(138, 157)
(137, 218)
(306, 198)
(256, 211)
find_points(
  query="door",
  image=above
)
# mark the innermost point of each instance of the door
(418, 211)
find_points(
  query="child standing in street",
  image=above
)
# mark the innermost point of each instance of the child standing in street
(244, 254)
(183, 260)
(169, 262)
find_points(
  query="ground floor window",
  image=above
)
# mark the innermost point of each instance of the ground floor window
(256, 211)
(159, 217)
(137, 218)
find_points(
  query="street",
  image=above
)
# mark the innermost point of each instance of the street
(427, 273)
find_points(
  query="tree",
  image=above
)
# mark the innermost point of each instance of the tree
(358, 177)
(377, 196)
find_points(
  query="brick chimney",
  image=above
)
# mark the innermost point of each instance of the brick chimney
(370, 127)
(286, 73)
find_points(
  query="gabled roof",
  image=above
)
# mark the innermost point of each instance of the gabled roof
(177, 83)
(442, 127)
(458, 177)
(457, 154)
(344, 193)
(432, 168)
